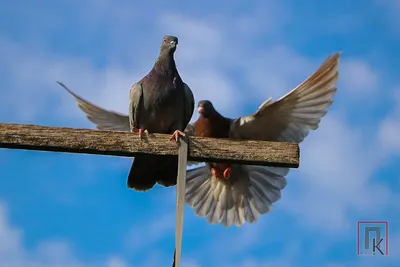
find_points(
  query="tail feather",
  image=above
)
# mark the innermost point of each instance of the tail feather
(250, 211)
(167, 170)
(147, 170)
(249, 192)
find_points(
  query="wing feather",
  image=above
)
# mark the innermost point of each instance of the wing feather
(292, 116)
(249, 193)
(103, 119)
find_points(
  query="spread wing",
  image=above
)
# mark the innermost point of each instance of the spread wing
(292, 116)
(104, 119)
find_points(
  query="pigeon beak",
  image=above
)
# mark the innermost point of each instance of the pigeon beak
(200, 110)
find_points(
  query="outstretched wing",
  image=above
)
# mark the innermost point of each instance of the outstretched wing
(104, 119)
(292, 116)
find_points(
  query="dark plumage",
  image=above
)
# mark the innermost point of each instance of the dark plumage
(159, 103)
(173, 262)
(232, 193)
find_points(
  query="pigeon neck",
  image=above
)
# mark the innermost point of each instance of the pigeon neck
(213, 115)
(165, 63)
(213, 125)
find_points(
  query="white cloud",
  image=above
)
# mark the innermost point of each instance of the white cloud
(32, 72)
(279, 69)
(390, 127)
(271, 73)
(199, 41)
(358, 76)
(291, 250)
(200, 59)
(56, 253)
(32, 77)
(9, 237)
(206, 46)
(145, 234)
(334, 179)
(276, 71)
(336, 160)
(13, 252)
(267, 17)
(390, 130)
(116, 262)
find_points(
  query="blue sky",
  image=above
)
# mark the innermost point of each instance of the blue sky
(68, 210)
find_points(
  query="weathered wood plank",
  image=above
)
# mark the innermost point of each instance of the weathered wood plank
(126, 144)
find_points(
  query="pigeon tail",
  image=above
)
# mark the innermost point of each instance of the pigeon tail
(147, 170)
(249, 192)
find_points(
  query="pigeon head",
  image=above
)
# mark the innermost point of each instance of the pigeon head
(169, 43)
(205, 108)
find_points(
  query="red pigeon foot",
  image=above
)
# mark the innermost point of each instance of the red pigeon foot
(140, 131)
(176, 135)
(227, 172)
(215, 173)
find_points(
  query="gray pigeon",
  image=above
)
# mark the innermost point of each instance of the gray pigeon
(159, 103)
(232, 193)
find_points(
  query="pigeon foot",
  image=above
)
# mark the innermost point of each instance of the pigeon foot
(176, 135)
(219, 172)
(215, 173)
(140, 131)
(227, 172)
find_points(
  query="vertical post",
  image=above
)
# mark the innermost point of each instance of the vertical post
(180, 197)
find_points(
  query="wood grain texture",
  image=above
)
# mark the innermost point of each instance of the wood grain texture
(126, 144)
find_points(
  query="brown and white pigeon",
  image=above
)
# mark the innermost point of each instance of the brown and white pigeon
(159, 103)
(232, 194)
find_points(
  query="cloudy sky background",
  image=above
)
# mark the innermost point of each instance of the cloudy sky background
(66, 210)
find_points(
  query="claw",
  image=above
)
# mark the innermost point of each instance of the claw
(227, 172)
(215, 173)
(140, 131)
(176, 135)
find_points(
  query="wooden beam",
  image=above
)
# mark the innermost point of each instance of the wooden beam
(126, 144)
